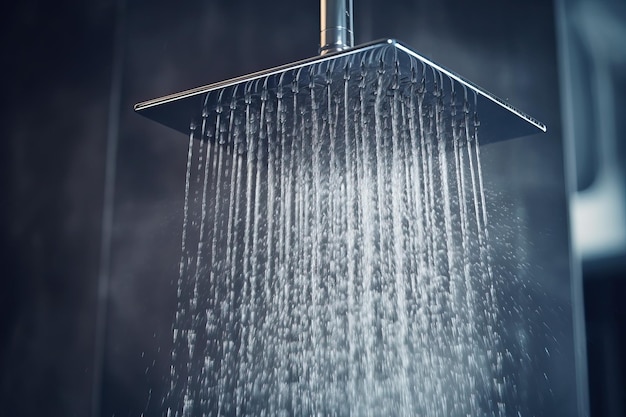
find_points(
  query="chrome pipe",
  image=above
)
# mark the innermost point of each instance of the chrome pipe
(336, 26)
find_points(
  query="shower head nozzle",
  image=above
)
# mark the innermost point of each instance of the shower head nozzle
(386, 66)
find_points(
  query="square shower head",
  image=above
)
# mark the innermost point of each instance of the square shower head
(386, 64)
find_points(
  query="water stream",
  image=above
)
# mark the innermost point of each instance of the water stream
(336, 258)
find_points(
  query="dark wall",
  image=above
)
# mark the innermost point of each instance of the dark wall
(56, 66)
(55, 122)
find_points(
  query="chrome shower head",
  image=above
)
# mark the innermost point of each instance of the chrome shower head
(386, 66)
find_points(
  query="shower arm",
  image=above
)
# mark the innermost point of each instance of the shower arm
(335, 26)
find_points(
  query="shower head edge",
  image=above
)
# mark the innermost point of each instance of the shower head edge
(502, 121)
(259, 74)
(539, 125)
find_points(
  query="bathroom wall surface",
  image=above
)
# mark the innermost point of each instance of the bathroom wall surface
(56, 79)
(56, 125)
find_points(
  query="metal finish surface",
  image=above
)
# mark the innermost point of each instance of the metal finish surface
(336, 23)
(399, 66)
